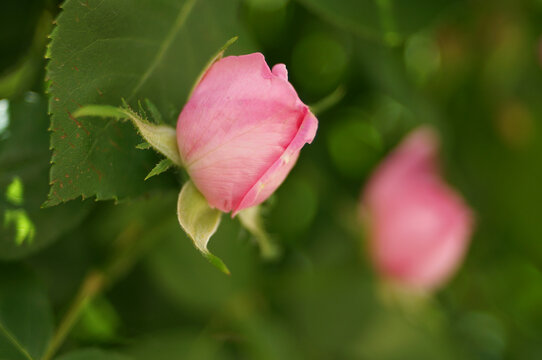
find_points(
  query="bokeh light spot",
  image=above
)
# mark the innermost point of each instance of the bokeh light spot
(354, 146)
(24, 227)
(4, 115)
(422, 56)
(319, 62)
(14, 191)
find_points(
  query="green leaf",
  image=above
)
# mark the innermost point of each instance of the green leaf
(163, 138)
(354, 144)
(384, 68)
(184, 345)
(20, 20)
(26, 321)
(102, 51)
(24, 162)
(185, 278)
(199, 221)
(93, 354)
(162, 166)
(295, 207)
(251, 220)
(98, 322)
(24, 26)
(386, 21)
(360, 17)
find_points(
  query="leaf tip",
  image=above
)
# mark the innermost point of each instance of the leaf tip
(217, 262)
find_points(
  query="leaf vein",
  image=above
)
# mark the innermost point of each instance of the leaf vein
(15, 343)
(96, 41)
(168, 40)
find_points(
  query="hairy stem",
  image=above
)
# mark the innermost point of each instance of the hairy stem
(329, 101)
(92, 285)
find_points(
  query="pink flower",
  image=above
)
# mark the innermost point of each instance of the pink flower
(419, 228)
(241, 131)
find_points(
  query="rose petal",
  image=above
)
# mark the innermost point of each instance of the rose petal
(240, 119)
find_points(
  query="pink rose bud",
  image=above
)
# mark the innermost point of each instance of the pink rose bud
(241, 131)
(419, 228)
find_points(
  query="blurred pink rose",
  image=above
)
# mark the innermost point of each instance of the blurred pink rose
(419, 228)
(241, 131)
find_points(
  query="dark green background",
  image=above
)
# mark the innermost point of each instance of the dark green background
(471, 68)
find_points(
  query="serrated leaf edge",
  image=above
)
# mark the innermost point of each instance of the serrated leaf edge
(162, 166)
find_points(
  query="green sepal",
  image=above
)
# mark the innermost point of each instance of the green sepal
(251, 220)
(162, 138)
(217, 262)
(199, 221)
(162, 166)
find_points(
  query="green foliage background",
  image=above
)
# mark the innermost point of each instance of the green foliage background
(471, 68)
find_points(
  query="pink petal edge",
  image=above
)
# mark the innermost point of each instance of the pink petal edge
(305, 135)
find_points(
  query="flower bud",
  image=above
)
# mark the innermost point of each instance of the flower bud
(418, 227)
(240, 133)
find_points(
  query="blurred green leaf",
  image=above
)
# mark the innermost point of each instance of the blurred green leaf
(354, 144)
(483, 334)
(294, 207)
(140, 50)
(24, 26)
(24, 162)
(264, 337)
(93, 354)
(391, 335)
(18, 20)
(177, 345)
(19, 78)
(98, 322)
(359, 16)
(186, 278)
(387, 21)
(251, 219)
(382, 20)
(26, 321)
(384, 68)
(327, 309)
(319, 63)
(472, 67)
